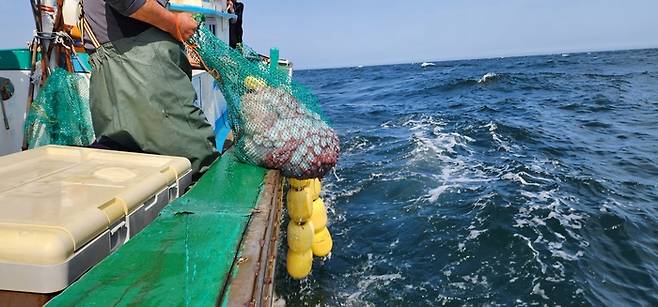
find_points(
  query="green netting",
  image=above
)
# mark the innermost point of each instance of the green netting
(60, 113)
(278, 122)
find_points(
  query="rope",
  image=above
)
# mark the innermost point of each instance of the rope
(64, 40)
(59, 37)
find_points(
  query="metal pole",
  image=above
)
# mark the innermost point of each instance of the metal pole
(4, 115)
(6, 91)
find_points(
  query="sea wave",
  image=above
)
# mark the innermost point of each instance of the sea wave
(535, 186)
(461, 83)
(488, 77)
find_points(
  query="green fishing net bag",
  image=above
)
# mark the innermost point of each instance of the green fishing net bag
(60, 114)
(278, 122)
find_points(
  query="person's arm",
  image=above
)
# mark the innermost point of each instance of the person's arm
(230, 7)
(180, 25)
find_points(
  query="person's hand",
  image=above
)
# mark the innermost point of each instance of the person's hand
(185, 26)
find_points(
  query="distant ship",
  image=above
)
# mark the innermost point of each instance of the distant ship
(427, 64)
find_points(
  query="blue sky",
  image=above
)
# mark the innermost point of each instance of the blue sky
(316, 33)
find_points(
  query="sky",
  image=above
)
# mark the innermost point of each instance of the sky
(321, 34)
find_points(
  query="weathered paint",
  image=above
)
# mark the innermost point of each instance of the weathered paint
(251, 282)
(186, 255)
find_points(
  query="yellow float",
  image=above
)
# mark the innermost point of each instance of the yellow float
(316, 187)
(254, 83)
(298, 264)
(300, 205)
(308, 235)
(322, 243)
(319, 216)
(299, 184)
(300, 236)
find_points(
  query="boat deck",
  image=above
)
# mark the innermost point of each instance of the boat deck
(213, 246)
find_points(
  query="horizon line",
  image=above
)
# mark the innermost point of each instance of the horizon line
(488, 57)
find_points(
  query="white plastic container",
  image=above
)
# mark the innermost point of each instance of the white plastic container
(64, 209)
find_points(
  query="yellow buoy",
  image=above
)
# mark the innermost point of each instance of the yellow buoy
(317, 187)
(254, 83)
(319, 216)
(322, 243)
(299, 264)
(299, 184)
(300, 236)
(300, 205)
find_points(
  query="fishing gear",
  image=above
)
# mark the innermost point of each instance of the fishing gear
(278, 122)
(60, 113)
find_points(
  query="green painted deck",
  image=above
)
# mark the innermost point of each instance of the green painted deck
(186, 255)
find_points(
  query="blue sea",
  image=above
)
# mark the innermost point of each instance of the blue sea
(510, 181)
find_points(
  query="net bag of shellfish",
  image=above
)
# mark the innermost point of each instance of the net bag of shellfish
(277, 122)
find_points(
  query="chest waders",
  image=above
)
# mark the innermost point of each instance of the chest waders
(141, 99)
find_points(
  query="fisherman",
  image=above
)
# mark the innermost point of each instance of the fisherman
(235, 28)
(141, 96)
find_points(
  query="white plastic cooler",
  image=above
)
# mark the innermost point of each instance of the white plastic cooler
(64, 209)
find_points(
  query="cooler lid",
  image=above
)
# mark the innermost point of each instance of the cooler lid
(55, 199)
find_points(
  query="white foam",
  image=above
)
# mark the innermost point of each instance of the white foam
(474, 234)
(387, 124)
(542, 206)
(488, 76)
(394, 243)
(449, 151)
(476, 279)
(366, 282)
(434, 194)
(358, 147)
(564, 255)
(424, 122)
(536, 289)
(535, 253)
(338, 179)
(496, 137)
(517, 177)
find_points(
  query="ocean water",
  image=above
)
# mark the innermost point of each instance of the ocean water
(514, 181)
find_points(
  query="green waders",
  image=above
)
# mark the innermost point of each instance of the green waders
(141, 99)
